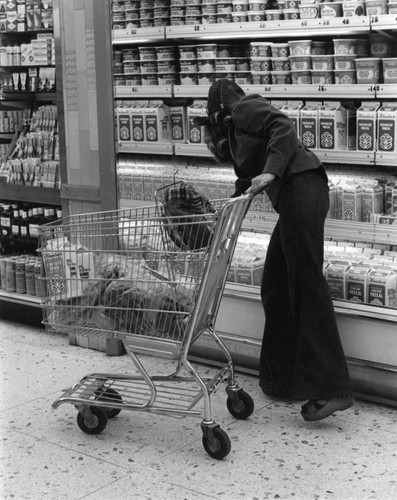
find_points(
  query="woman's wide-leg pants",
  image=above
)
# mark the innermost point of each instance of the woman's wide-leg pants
(301, 356)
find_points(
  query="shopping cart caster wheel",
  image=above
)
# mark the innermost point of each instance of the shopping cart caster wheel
(94, 423)
(216, 442)
(240, 404)
(111, 396)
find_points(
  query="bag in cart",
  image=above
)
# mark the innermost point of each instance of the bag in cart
(121, 275)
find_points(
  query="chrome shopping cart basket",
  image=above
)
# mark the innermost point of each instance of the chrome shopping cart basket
(124, 275)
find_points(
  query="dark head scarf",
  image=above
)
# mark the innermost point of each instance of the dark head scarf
(222, 96)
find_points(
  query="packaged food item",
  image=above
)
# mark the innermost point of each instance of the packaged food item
(331, 9)
(322, 62)
(309, 124)
(368, 69)
(372, 200)
(376, 7)
(335, 275)
(382, 286)
(356, 282)
(301, 62)
(300, 47)
(157, 122)
(293, 110)
(196, 132)
(332, 126)
(366, 125)
(301, 77)
(389, 65)
(353, 8)
(352, 202)
(178, 123)
(309, 10)
(387, 127)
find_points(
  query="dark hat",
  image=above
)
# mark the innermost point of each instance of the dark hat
(223, 94)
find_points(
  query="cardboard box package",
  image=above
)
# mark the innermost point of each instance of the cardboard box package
(356, 283)
(157, 122)
(332, 126)
(178, 123)
(196, 132)
(387, 127)
(382, 283)
(366, 125)
(309, 124)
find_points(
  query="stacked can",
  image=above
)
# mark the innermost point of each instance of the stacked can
(193, 12)
(224, 12)
(132, 14)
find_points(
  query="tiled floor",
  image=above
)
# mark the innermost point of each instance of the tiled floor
(275, 454)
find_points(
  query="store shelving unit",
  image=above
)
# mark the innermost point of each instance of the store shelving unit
(368, 332)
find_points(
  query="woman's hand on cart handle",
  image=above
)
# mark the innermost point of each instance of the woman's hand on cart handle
(261, 182)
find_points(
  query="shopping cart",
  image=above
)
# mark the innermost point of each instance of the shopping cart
(124, 275)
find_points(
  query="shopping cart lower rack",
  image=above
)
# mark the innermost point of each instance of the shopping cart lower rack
(123, 275)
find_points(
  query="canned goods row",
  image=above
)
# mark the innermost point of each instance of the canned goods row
(22, 274)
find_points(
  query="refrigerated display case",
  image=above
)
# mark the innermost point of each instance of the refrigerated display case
(368, 331)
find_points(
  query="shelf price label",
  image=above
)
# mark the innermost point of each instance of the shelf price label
(134, 89)
(267, 88)
(262, 25)
(134, 31)
(196, 27)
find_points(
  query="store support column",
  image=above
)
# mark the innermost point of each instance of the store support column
(84, 61)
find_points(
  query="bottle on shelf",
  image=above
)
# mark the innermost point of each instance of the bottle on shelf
(15, 238)
(5, 229)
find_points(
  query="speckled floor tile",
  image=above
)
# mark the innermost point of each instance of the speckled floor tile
(34, 469)
(275, 454)
(155, 487)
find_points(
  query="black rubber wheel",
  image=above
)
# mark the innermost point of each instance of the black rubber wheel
(220, 447)
(112, 396)
(98, 423)
(245, 407)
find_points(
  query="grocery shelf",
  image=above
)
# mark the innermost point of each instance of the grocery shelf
(152, 148)
(192, 150)
(138, 35)
(386, 159)
(131, 92)
(19, 298)
(313, 91)
(348, 157)
(383, 22)
(272, 29)
(30, 194)
(345, 307)
(386, 90)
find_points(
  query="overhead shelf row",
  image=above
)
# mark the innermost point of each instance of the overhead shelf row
(357, 91)
(263, 29)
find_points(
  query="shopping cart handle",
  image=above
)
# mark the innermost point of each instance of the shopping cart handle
(254, 192)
